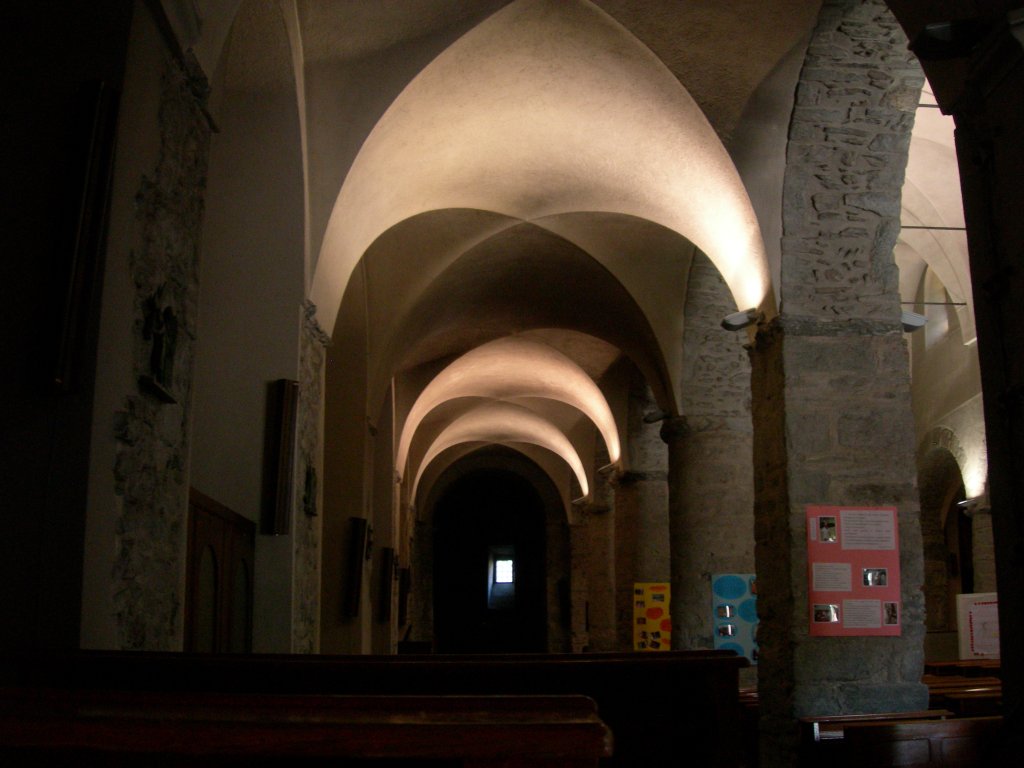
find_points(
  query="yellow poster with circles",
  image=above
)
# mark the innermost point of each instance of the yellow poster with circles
(652, 624)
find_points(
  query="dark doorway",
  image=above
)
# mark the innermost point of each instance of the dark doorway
(489, 576)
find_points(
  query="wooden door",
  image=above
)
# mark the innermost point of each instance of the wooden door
(219, 587)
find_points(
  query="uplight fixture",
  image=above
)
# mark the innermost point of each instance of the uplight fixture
(737, 321)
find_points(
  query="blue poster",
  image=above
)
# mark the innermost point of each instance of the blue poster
(734, 613)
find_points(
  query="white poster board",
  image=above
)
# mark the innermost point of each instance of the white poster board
(978, 625)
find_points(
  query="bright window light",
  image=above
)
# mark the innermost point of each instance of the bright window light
(503, 572)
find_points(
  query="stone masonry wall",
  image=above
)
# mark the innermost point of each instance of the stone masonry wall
(832, 416)
(599, 517)
(307, 527)
(845, 165)
(152, 428)
(641, 510)
(716, 532)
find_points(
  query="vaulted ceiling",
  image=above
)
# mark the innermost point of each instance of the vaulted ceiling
(540, 169)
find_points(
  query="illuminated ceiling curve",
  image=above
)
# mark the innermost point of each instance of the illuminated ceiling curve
(506, 424)
(508, 368)
(608, 128)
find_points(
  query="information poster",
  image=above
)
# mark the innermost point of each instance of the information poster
(652, 624)
(734, 613)
(978, 625)
(853, 571)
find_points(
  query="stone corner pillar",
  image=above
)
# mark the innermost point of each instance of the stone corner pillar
(832, 425)
(686, 606)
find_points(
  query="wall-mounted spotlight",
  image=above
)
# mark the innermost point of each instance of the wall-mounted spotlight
(737, 321)
(912, 321)
(974, 505)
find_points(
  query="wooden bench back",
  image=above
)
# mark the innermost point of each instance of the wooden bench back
(75, 727)
(661, 707)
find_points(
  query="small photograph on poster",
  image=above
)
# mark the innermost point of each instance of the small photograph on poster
(875, 577)
(726, 630)
(658, 597)
(826, 613)
(892, 613)
(827, 530)
(725, 611)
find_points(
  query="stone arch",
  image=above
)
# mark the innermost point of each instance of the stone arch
(445, 281)
(475, 459)
(941, 486)
(512, 369)
(830, 378)
(506, 424)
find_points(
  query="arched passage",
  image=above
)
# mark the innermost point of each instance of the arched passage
(488, 515)
(945, 532)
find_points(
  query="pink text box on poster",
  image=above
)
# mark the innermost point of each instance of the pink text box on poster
(853, 571)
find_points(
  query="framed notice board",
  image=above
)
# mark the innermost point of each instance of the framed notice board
(853, 571)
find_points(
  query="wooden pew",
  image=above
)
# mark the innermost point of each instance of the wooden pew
(663, 708)
(931, 737)
(953, 743)
(964, 668)
(966, 695)
(83, 728)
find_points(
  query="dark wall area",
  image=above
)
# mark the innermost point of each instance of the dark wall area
(64, 66)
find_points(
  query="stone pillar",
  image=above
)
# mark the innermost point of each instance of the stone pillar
(821, 440)
(983, 554)
(153, 428)
(831, 385)
(685, 577)
(578, 588)
(641, 511)
(600, 517)
(711, 483)
(308, 502)
(421, 605)
(989, 122)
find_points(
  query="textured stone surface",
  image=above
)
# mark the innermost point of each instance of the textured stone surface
(307, 528)
(150, 471)
(599, 562)
(710, 477)
(847, 152)
(641, 510)
(831, 398)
